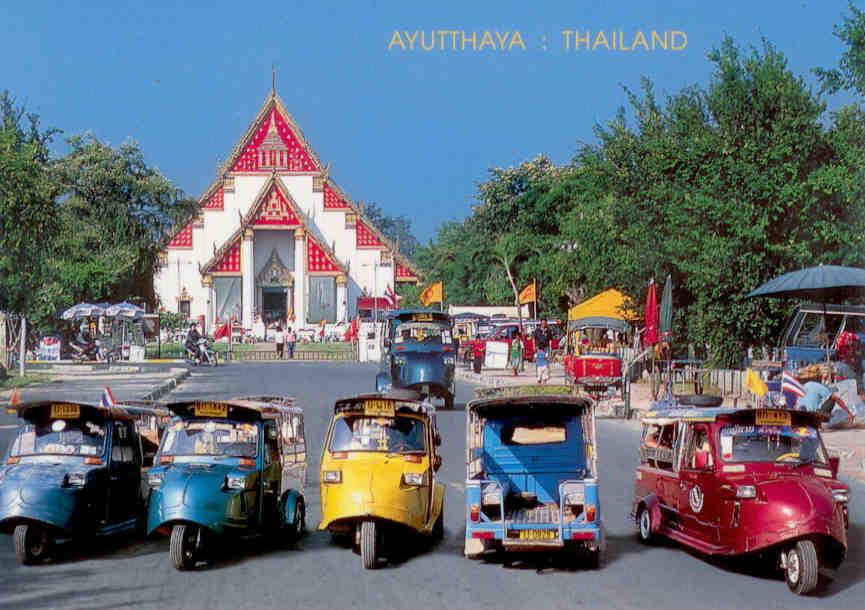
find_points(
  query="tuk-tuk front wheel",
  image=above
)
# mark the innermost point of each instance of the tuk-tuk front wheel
(644, 526)
(369, 542)
(184, 543)
(32, 544)
(802, 567)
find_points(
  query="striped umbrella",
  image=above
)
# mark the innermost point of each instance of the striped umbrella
(83, 310)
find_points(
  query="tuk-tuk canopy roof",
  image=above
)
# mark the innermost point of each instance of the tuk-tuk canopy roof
(408, 314)
(404, 401)
(118, 411)
(600, 322)
(711, 414)
(252, 407)
(552, 395)
(607, 304)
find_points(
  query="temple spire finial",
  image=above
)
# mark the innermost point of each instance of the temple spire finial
(273, 79)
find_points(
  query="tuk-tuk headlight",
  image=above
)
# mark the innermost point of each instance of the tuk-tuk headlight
(75, 479)
(235, 481)
(839, 495)
(154, 479)
(746, 491)
(413, 478)
(331, 476)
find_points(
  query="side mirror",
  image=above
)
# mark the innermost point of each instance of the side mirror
(834, 464)
(437, 462)
(701, 460)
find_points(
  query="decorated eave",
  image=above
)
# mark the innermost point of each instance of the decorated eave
(182, 239)
(273, 141)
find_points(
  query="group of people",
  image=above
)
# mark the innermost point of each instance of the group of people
(286, 340)
(542, 337)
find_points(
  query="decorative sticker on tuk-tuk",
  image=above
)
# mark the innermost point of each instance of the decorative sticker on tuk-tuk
(210, 409)
(695, 499)
(773, 417)
(422, 317)
(377, 407)
(64, 410)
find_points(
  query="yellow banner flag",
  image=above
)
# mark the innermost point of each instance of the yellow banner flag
(434, 293)
(754, 384)
(529, 294)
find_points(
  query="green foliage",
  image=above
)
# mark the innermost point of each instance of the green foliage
(850, 73)
(171, 320)
(396, 228)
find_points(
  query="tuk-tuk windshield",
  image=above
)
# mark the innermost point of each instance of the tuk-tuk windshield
(378, 434)
(424, 332)
(800, 444)
(59, 437)
(211, 438)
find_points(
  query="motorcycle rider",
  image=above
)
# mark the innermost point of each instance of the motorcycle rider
(192, 339)
(83, 342)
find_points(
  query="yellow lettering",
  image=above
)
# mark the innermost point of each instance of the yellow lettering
(502, 38)
(566, 34)
(453, 34)
(473, 39)
(601, 39)
(411, 39)
(423, 41)
(585, 39)
(640, 39)
(487, 40)
(517, 39)
(396, 39)
(684, 38)
(658, 41)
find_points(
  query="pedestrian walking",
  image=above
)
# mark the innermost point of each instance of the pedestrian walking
(291, 338)
(542, 365)
(280, 342)
(516, 359)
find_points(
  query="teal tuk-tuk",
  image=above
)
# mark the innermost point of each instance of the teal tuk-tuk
(72, 471)
(228, 468)
(532, 473)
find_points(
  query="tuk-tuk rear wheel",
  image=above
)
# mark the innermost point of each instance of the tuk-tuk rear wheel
(32, 543)
(644, 525)
(369, 544)
(183, 546)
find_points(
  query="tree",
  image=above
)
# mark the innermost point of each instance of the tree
(396, 228)
(850, 73)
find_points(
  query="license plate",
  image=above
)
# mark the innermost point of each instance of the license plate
(65, 411)
(375, 407)
(772, 417)
(538, 534)
(210, 409)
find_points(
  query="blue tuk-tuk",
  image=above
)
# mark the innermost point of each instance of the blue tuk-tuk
(419, 353)
(532, 478)
(228, 468)
(73, 470)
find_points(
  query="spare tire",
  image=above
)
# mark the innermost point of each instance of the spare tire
(700, 400)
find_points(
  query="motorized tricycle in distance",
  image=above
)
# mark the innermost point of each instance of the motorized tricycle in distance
(532, 473)
(72, 471)
(228, 468)
(419, 353)
(378, 477)
(593, 360)
(743, 482)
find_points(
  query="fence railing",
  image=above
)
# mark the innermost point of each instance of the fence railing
(178, 352)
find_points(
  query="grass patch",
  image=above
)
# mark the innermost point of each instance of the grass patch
(15, 381)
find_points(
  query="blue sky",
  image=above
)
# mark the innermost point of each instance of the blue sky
(413, 131)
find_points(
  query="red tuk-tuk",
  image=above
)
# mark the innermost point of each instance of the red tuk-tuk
(738, 482)
(593, 360)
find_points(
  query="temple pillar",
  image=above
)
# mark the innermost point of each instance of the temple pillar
(209, 305)
(299, 278)
(247, 270)
(341, 298)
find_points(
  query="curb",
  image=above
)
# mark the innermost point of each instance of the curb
(168, 385)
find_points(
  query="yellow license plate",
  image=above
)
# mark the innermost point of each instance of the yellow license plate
(60, 410)
(210, 409)
(772, 417)
(538, 534)
(422, 317)
(376, 407)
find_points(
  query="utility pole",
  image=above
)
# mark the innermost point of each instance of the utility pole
(22, 349)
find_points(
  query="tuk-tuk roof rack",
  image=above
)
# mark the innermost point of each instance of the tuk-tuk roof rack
(526, 394)
(401, 398)
(252, 404)
(124, 410)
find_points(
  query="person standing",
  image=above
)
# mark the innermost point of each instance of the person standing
(542, 365)
(543, 337)
(280, 342)
(516, 359)
(292, 342)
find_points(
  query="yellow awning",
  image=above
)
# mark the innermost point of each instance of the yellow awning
(607, 304)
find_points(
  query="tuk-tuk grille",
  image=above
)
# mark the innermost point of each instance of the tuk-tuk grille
(545, 513)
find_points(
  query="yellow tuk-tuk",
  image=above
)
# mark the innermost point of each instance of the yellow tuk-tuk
(378, 473)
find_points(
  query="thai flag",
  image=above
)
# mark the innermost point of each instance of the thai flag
(791, 385)
(391, 296)
(107, 401)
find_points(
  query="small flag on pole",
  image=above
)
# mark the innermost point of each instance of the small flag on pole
(434, 293)
(107, 401)
(391, 296)
(529, 294)
(754, 384)
(791, 385)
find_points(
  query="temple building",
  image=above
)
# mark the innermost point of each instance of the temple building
(275, 238)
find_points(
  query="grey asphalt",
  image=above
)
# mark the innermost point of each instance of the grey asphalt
(318, 574)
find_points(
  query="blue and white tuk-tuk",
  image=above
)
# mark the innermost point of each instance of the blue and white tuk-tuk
(228, 468)
(532, 479)
(419, 353)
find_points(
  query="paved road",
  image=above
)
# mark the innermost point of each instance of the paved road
(320, 575)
